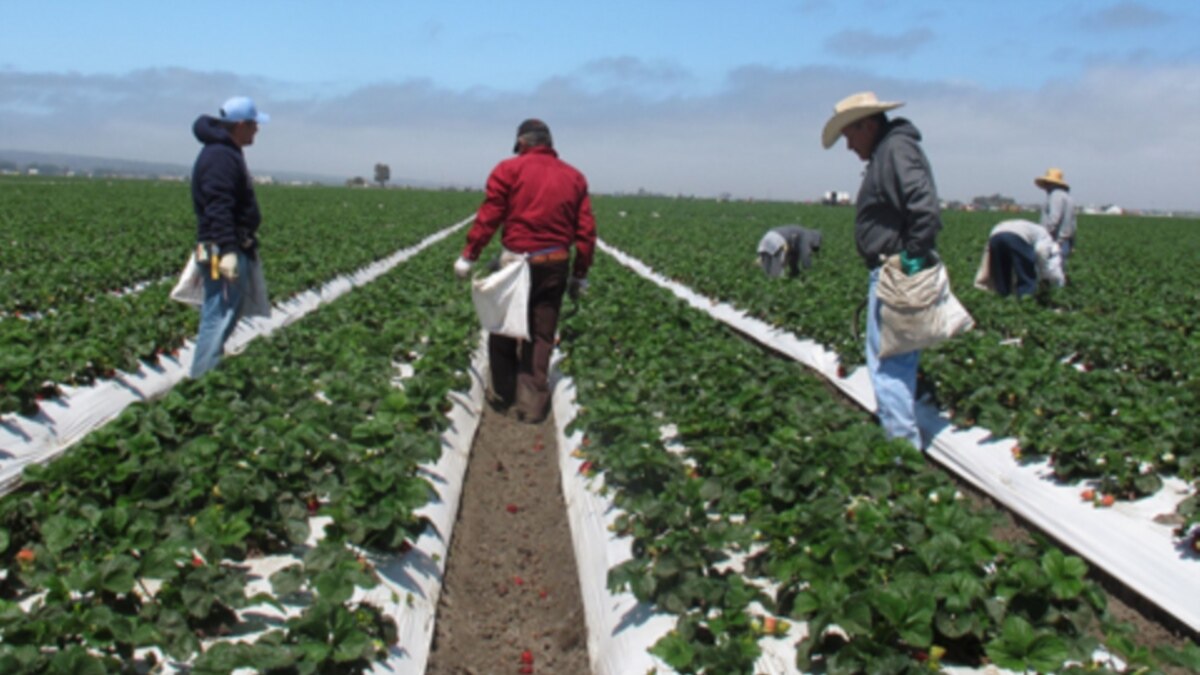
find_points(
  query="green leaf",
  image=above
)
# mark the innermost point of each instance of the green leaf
(60, 532)
(118, 574)
(1066, 573)
(675, 650)
(288, 580)
(75, 660)
(1019, 647)
(352, 647)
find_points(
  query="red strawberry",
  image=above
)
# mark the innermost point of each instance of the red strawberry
(518, 581)
(525, 669)
(197, 561)
(511, 508)
(1087, 495)
(526, 656)
(543, 594)
(26, 556)
(313, 506)
(1107, 500)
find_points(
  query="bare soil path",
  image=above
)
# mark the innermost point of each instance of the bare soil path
(511, 602)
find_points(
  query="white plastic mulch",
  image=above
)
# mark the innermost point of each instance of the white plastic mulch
(1124, 540)
(62, 422)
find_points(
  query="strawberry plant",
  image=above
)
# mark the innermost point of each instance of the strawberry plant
(786, 497)
(133, 539)
(1101, 377)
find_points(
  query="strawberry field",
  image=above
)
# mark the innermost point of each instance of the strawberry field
(251, 518)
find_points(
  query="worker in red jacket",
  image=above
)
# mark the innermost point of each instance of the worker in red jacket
(543, 206)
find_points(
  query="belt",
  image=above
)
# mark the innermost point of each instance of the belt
(557, 255)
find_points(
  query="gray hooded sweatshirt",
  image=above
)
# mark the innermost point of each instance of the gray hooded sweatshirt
(788, 245)
(897, 202)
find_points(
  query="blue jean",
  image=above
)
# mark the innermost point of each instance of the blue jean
(1011, 257)
(218, 316)
(894, 378)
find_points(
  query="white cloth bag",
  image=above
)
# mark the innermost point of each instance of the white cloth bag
(190, 288)
(917, 311)
(502, 298)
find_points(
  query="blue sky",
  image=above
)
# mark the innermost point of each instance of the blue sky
(700, 97)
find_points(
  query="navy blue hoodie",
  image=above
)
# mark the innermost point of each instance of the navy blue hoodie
(222, 191)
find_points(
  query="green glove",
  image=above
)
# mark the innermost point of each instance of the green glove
(911, 265)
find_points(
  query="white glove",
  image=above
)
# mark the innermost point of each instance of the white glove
(577, 288)
(228, 266)
(462, 267)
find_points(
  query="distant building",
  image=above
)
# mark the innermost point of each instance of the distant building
(834, 198)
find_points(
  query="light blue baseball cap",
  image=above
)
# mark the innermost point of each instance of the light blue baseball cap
(241, 109)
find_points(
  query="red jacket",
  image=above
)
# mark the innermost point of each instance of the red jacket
(543, 204)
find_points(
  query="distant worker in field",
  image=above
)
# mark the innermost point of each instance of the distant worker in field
(542, 203)
(897, 213)
(788, 246)
(227, 220)
(1058, 214)
(1019, 254)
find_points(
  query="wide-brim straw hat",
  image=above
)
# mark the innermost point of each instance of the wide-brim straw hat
(1052, 177)
(852, 109)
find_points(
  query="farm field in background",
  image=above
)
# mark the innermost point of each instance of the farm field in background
(1102, 377)
(186, 490)
(83, 291)
(831, 523)
(774, 492)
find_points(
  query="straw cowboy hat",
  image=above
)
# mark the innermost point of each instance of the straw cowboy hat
(852, 109)
(1053, 177)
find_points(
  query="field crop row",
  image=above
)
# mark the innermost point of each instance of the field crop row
(1102, 377)
(846, 528)
(83, 333)
(136, 538)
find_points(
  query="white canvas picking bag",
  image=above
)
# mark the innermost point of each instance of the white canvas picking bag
(502, 298)
(917, 311)
(190, 288)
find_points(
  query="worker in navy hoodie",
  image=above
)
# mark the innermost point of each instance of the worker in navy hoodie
(227, 220)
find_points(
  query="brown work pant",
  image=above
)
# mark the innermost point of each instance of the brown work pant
(521, 368)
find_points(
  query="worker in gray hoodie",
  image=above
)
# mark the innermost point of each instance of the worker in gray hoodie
(897, 213)
(787, 245)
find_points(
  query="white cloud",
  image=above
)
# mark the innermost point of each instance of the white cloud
(870, 44)
(1120, 132)
(1124, 16)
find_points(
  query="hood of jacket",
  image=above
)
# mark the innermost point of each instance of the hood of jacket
(896, 128)
(209, 130)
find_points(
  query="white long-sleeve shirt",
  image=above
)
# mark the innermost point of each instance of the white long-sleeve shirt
(1049, 256)
(1058, 215)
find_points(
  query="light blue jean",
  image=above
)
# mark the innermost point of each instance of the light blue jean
(894, 378)
(218, 316)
